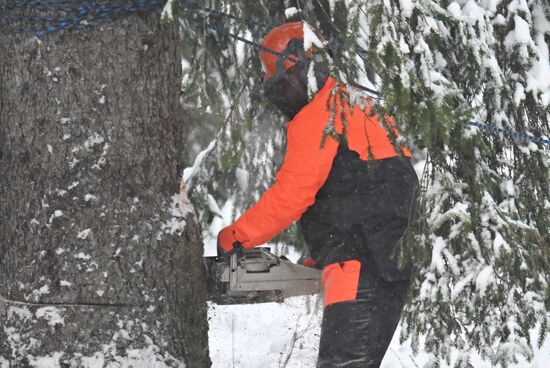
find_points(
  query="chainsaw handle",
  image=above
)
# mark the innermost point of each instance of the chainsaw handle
(237, 248)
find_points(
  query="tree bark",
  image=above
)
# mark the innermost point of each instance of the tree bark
(100, 257)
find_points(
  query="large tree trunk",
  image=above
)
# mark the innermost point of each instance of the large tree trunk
(100, 260)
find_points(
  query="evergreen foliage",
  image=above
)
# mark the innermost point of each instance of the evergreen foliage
(480, 247)
(222, 85)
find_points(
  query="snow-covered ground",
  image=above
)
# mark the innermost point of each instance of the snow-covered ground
(271, 335)
(265, 335)
(276, 335)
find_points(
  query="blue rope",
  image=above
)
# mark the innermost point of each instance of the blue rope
(220, 30)
(194, 5)
(86, 14)
(42, 5)
(67, 15)
(510, 133)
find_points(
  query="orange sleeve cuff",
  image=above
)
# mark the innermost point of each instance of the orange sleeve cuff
(241, 237)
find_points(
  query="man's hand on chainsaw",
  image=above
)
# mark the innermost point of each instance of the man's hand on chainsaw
(227, 242)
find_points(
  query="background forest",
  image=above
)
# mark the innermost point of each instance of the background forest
(480, 249)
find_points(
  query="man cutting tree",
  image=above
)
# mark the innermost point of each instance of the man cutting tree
(352, 190)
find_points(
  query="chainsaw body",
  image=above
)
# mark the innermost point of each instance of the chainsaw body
(258, 276)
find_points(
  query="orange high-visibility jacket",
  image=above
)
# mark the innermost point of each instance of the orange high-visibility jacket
(307, 163)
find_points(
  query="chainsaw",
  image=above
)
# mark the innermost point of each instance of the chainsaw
(256, 275)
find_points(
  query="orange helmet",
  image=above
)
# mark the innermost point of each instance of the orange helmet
(277, 40)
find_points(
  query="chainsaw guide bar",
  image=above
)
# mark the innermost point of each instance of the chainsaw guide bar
(257, 276)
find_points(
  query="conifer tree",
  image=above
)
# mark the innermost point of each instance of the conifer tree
(100, 253)
(480, 246)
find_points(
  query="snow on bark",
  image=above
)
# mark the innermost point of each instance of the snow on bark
(80, 224)
(141, 351)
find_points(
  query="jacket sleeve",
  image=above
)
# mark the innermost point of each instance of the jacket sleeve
(305, 169)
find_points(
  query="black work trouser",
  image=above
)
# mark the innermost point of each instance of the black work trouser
(361, 213)
(357, 333)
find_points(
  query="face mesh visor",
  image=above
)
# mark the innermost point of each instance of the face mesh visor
(287, 90)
